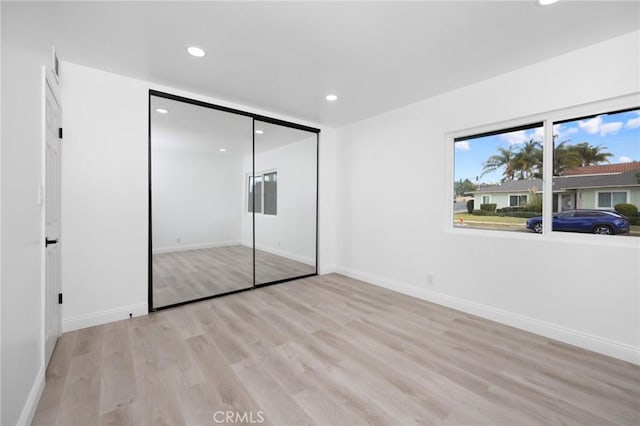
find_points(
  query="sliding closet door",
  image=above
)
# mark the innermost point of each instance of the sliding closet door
(201, 236)
(284, 190)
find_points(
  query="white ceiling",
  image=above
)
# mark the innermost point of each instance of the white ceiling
(286, 56)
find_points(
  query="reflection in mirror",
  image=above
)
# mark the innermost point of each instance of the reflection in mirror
(285, 196)
(198, 202)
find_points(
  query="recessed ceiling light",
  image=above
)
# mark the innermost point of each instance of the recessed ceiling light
(259, 132)
(195, 51)
(162, 110)
(222, 150)
(332, 98)
(546, 2)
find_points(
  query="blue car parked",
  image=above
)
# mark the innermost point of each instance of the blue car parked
(604, 222)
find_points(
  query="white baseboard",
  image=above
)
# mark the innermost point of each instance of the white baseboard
(187, 247)
(329, 269)
(103, 317)
(578, 338)
(282, 253)
(30, 405)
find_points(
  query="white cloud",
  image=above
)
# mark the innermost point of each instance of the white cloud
(591, 126)
(463, 145)
(538, 134)
(633, 123)
(561, 133)
(623, 159)
(513, 138)
(595, 125)
(610, 128)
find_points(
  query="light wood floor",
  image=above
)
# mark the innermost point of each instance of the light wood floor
(193, 274)
(329, 351)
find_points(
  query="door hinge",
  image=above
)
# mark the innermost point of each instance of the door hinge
(59, 132)
(59, 298)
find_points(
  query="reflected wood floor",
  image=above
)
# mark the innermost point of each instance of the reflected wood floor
(193, 274)
(329, 350)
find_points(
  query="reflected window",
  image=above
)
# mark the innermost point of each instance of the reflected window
(271, 193)
(518, 200)
(262, 194)
(609, 199)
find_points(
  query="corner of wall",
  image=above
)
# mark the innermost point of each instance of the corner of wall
(103, 317)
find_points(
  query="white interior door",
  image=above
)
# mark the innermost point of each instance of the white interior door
(52, 220)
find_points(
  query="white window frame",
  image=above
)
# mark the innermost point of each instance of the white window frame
(261, 174)
(598, 206)
(482, 200)
(548, 118)
(517, 195)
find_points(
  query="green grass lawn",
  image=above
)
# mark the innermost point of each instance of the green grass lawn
(466, 217)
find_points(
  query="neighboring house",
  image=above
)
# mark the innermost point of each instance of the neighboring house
(590, 187)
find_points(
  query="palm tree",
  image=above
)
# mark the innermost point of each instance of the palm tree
(528, 160)
(504, 158)
(591, 155)
(564, 157)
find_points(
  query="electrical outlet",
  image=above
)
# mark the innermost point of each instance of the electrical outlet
(430, 280)
(178, 240)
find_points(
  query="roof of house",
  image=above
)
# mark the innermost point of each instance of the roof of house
(563, 183)
(512, 186)
(595, 181)
(603, 169)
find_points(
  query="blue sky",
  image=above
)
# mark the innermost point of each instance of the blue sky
(620, 133)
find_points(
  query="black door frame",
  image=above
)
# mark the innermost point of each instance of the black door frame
(254, 117)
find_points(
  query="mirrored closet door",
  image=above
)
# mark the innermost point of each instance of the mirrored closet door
(201, 244)
(233, 200)
(285, 202)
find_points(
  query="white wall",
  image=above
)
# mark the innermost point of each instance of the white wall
(327, 207)
(22, 233)
(196, 195)
(394, 221)
(292, 232)
(104, 194)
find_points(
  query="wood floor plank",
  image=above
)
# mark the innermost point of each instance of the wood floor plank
(328, 350)
(118, 384)
(192, 274)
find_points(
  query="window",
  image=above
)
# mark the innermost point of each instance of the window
(518, 200)
(607, 200)
(593, 168)
(264, 193)
(501, 171)
(596, 162)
